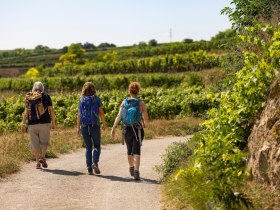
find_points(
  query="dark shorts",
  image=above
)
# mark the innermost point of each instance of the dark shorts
(132, 143)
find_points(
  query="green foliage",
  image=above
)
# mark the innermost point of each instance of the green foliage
(187, 40)
(104, 82)
(108, 64)
(32, 73)
(41, 49)
(220, 159)
(161, 103)
(227, 34)
(247, 13)
(153, 43)
(75, 55)
(174, 155)
(105, 45)
(110, 57)
(42, 56)
(88, 46)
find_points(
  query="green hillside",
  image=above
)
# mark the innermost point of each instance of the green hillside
(16, 62)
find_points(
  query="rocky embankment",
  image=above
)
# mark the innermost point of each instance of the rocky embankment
(264, 141)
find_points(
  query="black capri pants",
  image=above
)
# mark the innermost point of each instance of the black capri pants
(133, 146)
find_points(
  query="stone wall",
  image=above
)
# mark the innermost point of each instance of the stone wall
(264, 141)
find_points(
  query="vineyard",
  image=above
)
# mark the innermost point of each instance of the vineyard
(162, 104)
(170, 76)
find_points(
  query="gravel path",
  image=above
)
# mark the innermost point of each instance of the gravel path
(66, 184)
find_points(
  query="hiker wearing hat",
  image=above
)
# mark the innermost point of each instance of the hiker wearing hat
(90, 110)
(133, 114)
(39, 118)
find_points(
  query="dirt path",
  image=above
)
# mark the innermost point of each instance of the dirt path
(66, 185)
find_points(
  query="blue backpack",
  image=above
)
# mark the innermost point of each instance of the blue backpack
(89, 113)
(131, 114)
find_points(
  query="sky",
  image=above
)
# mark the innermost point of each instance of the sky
(59, 23)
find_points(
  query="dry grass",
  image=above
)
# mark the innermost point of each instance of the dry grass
(15, 148)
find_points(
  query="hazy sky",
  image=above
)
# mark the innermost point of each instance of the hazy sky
(58, 23)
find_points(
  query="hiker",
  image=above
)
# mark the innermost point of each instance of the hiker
(40, 116)
(90, 108)
(133, 113)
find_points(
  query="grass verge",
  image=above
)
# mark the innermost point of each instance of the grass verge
(189, 191)
(177, 194)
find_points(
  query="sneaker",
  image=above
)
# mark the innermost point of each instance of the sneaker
(136, 175)
(95, 168)
(43, 162)
(131, 171)
(38, 165)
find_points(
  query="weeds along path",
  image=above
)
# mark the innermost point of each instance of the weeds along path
(66, 184)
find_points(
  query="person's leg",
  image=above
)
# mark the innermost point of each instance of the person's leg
(136, 150)
(44, 136)
(36, 152)
(130, 160)
(34, 140)
(136, 162)
(88, 143)
(96, 136)
(128, 140)
(44, 151)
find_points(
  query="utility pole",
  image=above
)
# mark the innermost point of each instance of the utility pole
(170, 35)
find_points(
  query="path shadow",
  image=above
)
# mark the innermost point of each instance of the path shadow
(150, 181)
(63, 172)
(128, 179)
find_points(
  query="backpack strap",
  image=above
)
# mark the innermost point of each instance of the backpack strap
(94, 101)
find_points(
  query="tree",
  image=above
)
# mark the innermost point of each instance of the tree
(187, 40)
(247, 12)
(75, 55)
(21, 51)
(106, 45)
(153, 43)
(229, 33)
(64, 49)
(142, 44)
(41, 49)
(88, 46)
(109, 57)
(32, 73)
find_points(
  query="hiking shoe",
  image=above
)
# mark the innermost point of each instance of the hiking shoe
(38, 165)
(90, 172)
(43, 162)
(131, 171)
(136, 175)
(95, 168)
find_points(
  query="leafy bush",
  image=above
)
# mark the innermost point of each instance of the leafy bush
(175, 154)
(220, 159)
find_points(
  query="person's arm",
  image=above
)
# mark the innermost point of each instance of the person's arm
(78, 123)
(51, 111)
(145, 118)
(23, 122)
(117, 120)
(48, 101)
(102, 116)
